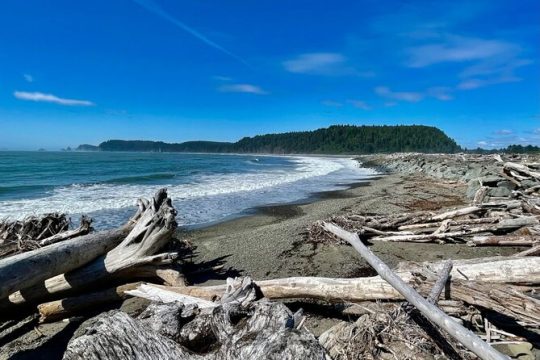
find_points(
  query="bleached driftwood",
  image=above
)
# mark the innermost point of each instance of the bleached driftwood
(502, 225)
(440, 283)
(534, 251)
(467, 338)
(502, 240)
(492, 296)
(152, 229)
(33, 267)
(521, 168)
(84, 228)
(59, 309)
(236, 328)
(33, 228)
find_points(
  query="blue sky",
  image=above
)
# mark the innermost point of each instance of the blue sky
(76, 72)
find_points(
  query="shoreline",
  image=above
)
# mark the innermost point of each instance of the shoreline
(270, 243)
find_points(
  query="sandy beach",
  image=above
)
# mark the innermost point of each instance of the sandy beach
(271, 243)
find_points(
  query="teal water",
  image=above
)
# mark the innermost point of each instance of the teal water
(204, 187)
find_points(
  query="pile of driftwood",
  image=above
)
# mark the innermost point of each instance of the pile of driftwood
(242, 319)
(36, 231)
(505, 222)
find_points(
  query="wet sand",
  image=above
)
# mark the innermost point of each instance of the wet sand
(271, 243)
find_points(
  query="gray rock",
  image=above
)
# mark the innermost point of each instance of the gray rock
(529, 183)
(499, 192)
(507, 184)
(472, 187)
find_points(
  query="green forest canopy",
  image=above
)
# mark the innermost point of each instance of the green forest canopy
(338, 139)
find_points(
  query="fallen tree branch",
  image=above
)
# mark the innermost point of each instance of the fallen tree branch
(430, 311)
(84, 228)
(440, 283)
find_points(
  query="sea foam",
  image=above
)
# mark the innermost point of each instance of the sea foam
(204, 199)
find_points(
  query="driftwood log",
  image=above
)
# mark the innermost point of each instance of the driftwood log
(33, 267)
(491, 292)
(60, 309)
(465, 337)
(235, 328)
(150, 232)
(152, 227)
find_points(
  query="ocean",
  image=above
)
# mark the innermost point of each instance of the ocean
(205, 188)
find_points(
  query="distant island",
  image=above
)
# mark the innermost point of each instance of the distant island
(337, 139)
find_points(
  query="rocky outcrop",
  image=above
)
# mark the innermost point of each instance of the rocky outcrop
(474, 170)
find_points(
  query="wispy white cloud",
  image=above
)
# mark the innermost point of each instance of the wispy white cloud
(470, 84)
(29, 78)
(359, 104)
(440, 93)
(50, 98)
(397, 95)
(243, 88)
(332, 103)
(504, 66)
(489, 61)
(503, 132)
(150, 5)
(323, 63)
(458, 49)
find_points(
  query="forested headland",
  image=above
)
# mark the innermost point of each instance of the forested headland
(337, 139)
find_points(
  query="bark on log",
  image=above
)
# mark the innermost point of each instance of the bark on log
(430, 311)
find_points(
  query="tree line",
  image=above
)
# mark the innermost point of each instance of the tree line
(337, 139)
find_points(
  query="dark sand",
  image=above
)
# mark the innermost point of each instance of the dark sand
(271, 244)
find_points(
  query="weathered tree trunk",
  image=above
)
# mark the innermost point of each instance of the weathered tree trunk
(440, 283)
(430, 311)
(149, 232)
(524, 169)
(238, 328)
(33, 267)
(501, 270)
